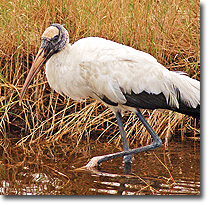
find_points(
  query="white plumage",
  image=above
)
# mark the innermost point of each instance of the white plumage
(97, 67)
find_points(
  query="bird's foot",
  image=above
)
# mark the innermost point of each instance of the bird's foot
(94, 162)
(91, 165)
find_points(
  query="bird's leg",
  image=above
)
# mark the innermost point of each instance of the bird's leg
(154, 145)
(157, 142)
(126, 158)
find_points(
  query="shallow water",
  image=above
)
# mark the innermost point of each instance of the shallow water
(175, 171)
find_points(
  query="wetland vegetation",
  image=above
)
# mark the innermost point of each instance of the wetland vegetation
(51, 126)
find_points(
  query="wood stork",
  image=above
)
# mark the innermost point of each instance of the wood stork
(120, 76)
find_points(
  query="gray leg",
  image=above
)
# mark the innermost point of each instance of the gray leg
(154, 145)
(126, 158)
(157, 142)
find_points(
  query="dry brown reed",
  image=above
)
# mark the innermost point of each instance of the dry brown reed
(168, 30)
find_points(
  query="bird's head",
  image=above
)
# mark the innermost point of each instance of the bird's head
(54, 39)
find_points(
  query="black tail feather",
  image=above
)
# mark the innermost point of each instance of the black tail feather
(145, 100)
(152, 101)
(194, 112)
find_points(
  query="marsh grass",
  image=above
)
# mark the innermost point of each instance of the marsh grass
(168, 30)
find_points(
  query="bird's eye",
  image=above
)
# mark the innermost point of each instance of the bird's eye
(55, 38)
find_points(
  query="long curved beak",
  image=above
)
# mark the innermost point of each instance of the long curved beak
(36, 66)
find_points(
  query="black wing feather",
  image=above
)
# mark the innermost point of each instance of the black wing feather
(146, 100)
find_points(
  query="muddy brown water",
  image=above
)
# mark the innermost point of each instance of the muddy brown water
(175, 171)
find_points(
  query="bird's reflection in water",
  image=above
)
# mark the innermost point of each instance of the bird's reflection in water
(145, 176)
(120, 184)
